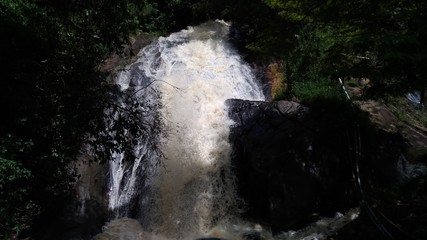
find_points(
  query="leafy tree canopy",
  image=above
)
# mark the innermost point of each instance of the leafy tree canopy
(380, 40)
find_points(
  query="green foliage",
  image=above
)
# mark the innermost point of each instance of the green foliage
(311, 91)
(290, 10)
(383, 41)
(16, 208)
(309, 69)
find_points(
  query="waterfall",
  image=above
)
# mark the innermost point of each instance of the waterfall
(182, 82)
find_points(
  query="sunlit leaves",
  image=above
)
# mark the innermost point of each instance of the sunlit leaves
(289, 10)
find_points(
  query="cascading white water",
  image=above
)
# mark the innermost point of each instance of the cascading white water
(181, 84)
(194, 71)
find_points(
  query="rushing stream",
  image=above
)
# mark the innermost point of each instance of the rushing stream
(183, 81)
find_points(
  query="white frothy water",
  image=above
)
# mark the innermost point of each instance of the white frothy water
(195, 71)
(196, 185)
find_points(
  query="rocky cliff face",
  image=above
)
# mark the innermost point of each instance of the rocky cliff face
(294, 163)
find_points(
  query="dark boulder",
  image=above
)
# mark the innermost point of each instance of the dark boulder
(294, 164)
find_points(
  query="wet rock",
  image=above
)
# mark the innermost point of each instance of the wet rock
(292, 161)
(254, 235)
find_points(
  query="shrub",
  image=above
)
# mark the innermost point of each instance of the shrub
(276, 76)
(311, 91)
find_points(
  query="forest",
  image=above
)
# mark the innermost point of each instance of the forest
(54, 93)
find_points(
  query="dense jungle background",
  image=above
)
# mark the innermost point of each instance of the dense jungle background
(54, 88)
